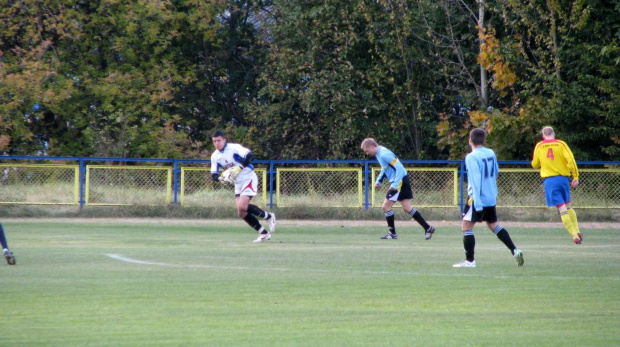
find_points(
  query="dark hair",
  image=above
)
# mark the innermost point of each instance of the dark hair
(477, 136)
(218, 133)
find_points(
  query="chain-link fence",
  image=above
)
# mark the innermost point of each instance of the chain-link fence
(520, 188)
(598, 189)
(325, 187)
(432, 187)
(523, 188)
(198, 189)
(128, 185)
(39, 184)
(284, 184)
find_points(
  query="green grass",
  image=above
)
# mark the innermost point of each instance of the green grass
(195, 284)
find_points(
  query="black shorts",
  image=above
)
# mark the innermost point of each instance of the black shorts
(488, 213)
(404, 192)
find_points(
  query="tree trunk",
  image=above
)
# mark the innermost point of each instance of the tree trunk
(483, 72)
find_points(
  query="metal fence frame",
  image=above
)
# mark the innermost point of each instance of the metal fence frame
(453, 171)
(76, 185)
(88, 183)
(356, 171)
(271, 171)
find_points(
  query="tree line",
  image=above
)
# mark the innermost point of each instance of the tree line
(307, 79)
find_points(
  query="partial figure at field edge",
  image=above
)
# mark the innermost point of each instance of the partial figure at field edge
(8, 255)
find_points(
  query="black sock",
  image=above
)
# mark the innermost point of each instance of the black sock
(469, 242)
(253, 222)
(389, 217)
(257, 211)
(418, 218)
(503, 235)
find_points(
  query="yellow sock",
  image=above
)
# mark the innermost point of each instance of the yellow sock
(573, 217)
(568, 223)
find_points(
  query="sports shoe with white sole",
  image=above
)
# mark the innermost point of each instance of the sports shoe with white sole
(263, 237)
(389, 236)
(465, 263)
(429, 233)
(272, 222)
(518, 257)
(10, 258)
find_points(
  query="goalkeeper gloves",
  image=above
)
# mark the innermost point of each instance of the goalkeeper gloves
(231, 174)
(235, 172)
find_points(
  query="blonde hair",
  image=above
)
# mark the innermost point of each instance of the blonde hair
(369, 142)
(548, 131)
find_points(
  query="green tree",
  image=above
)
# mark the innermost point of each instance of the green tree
(307, 79)
(313, 102)
(225, 53)
(341, 71)
(30, 74)
(565, 79)
(124, 78)
(401, 74)
(551, 63)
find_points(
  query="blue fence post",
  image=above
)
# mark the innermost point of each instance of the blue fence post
(271, 172)
(175, 178)
(462, 184)
(366, 185)
(82, 180)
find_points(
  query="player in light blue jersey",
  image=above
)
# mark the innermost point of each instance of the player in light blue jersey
(482, 171)
(400, 187)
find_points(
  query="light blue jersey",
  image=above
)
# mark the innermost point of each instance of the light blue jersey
(391, 168)
(482, 170)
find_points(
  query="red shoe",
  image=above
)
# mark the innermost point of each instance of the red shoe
(577, 240)
(580, 237)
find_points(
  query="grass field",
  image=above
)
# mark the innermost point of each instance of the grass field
(166, 283)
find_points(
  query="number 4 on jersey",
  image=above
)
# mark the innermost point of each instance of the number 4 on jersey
(550, 154)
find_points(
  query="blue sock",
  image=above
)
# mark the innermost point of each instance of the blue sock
(2, 238)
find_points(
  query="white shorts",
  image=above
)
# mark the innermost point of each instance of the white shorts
(246, 184)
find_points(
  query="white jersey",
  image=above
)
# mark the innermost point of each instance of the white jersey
(232, 155)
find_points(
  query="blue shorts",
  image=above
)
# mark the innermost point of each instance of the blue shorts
(557, 190)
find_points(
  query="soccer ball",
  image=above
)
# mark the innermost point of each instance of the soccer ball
(227, 176)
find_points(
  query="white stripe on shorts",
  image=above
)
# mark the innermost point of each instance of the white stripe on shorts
(468, 215)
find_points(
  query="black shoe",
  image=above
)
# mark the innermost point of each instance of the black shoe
(429, 233)
(10, 258)
(389, 236)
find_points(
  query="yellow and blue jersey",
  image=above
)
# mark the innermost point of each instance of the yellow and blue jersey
(482, 171)
(391, 168)
(554, 158)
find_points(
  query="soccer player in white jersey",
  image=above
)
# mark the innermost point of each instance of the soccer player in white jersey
(237, 158)
(400, 188)
(482, 170)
